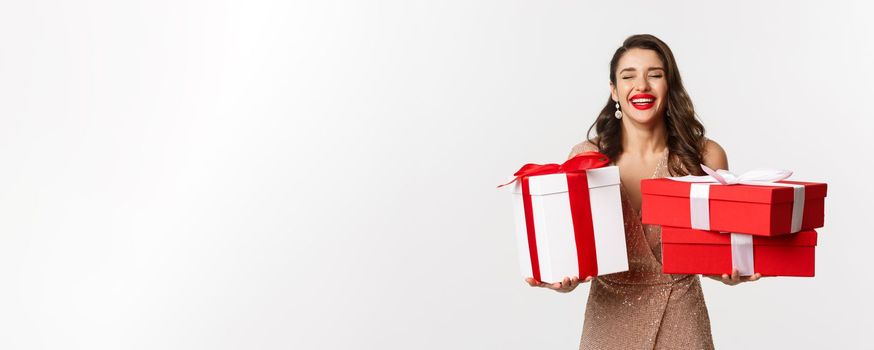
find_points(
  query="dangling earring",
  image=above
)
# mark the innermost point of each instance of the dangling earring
(618, 113)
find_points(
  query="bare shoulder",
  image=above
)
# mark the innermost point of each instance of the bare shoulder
(585, 146)
(714, 155)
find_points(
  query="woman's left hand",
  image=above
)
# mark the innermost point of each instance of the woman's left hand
(734, 278)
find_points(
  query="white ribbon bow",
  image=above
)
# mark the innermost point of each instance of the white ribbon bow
(725, 177)
(699, 204)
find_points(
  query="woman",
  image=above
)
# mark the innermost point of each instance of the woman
(648, 128)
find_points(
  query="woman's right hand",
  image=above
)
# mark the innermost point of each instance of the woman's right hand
(566, 285)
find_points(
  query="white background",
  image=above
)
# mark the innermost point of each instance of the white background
(320, 174)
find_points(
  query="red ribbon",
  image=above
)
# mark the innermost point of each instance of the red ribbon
(581, 207)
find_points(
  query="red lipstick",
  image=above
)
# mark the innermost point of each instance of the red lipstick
(644, 101)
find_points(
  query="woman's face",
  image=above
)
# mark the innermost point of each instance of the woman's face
(641, 86)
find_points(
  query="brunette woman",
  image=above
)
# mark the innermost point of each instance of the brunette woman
(649, 129)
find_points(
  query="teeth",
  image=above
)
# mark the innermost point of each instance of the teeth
(642, 100)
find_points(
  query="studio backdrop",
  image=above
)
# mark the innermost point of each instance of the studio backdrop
(321, 174)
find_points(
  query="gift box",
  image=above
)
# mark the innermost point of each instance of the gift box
(765, 208)
(569, 219)
(690, 251)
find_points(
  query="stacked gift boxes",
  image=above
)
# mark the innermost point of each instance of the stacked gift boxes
(569, 219)
(711, 225)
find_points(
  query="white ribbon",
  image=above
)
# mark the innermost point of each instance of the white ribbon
(699, 205)
(742, 254)
(699, 192)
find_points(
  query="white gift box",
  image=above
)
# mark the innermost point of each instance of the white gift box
(555, 240)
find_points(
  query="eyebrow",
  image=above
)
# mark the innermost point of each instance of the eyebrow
(633, 69)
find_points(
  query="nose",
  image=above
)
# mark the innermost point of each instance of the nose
(641, 85)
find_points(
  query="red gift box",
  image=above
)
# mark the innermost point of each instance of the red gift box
(760, 209)
(569, 218)
(689, 251)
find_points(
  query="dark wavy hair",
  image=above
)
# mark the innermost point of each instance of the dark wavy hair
(685, 139)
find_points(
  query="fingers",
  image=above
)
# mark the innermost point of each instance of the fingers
(730, 279)
(532, 282)
(735, 278)
(562, 285)
(751, 278)
(572, 282)
(567, 284)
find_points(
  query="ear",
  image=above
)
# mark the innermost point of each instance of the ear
(613, 94)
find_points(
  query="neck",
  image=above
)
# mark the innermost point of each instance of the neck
(644, 140)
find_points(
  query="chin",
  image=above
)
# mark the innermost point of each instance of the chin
(645, 118)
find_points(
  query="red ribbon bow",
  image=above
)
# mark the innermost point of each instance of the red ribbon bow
(580, 162)
(581, 210)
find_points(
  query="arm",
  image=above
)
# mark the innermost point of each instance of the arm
(585, 146)
(714, 156)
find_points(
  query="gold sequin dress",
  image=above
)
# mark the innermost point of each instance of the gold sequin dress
(643, 308)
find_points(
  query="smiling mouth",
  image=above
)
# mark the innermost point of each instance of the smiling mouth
(642, 101)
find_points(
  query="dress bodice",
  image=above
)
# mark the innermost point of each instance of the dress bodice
(642, 308)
